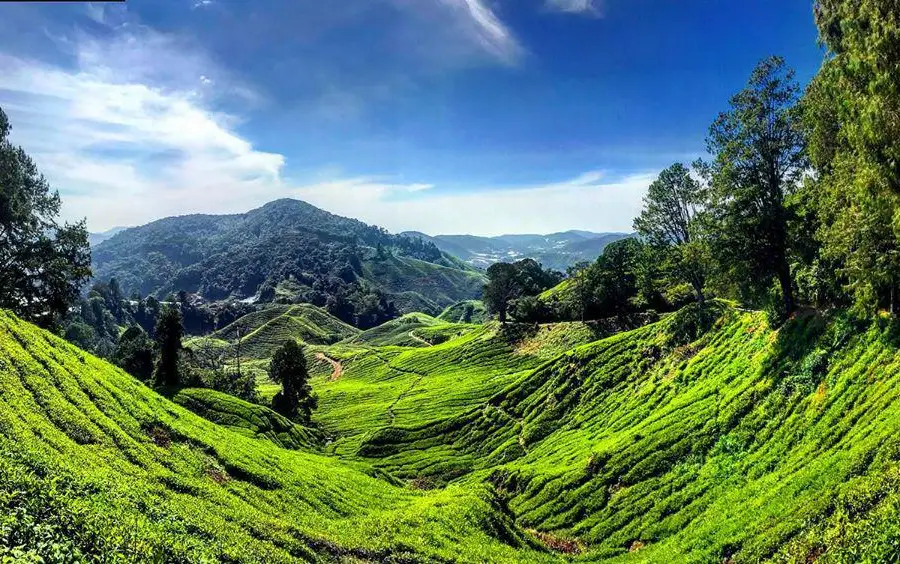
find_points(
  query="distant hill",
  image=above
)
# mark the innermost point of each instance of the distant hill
(556, 250)
(292, 252)
(95, 239)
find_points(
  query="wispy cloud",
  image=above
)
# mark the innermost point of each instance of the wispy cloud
(455, 32)
(587, 202)
(488, 31)
(582, 7)
(131, 135)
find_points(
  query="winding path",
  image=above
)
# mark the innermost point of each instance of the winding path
(415, 337)
(337, 368)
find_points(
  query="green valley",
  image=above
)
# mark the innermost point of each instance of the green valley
(638, 446)
(716, 382)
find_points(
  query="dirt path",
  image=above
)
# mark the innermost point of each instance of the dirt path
(415, 337)
(337, 368)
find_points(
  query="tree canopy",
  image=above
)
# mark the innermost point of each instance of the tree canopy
(42, 264)
(288, 367)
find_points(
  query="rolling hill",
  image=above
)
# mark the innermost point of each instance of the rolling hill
(697, 438)
(556, 250)
(250, 256)
(94, 463)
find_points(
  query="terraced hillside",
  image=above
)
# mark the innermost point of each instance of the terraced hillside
(93, 462)
(262, 332)
(667, 443)
(469, 311)
(746, 444)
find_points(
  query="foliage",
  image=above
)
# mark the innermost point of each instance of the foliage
(296, 400)
(167, 336)
(851, 113)
(670, 223)
(507, 282)
(134, 354)
(42, 264)
(759, 158)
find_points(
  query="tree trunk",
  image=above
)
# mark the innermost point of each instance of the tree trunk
(502, 314)
(787, 287)
(698, 290)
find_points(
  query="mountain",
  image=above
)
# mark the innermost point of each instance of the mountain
(95, 239)
(556, 250)
(288, 251)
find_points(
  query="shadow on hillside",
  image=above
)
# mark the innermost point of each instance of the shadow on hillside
(514, 333)
(801, 351)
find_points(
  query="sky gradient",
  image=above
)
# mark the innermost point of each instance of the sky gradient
(442, 116)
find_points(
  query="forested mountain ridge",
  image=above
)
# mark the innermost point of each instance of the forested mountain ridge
(556, 250)
(287, 250)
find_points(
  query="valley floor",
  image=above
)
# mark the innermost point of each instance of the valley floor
(699, 437)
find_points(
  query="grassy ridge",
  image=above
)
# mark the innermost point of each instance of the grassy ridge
(469, 311)
(430, 283)
(248, 419)
(93, 461)
(746, 444)
(262, 332)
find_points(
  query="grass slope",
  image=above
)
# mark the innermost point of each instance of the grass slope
(93, 462)
(413, 280)
(470, 311)
(266, 330)
(248, 419)
(747, 444)
(666, 443)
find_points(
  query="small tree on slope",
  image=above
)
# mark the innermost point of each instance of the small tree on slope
(167, 335)
(288, 367)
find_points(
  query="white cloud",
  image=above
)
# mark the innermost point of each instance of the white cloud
(586, 202)
(584, 7)
(488, 30)
(131, 134)
(123, 152)
(458, 32)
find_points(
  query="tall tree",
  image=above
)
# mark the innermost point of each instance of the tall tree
(42, 264)
(852, 109)
(669, 222)
(760, 158)
(167, 335)
(582, 284)
(134, 354)
(503, 286)
(288, 367)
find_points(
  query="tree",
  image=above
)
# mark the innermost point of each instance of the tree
(582, 281)
(167, 335)
(42, 264)
(503, 286)
(134, 354)
(288, 368)
(851, 110)
(669, 222)
(760, 157)
(617, 276)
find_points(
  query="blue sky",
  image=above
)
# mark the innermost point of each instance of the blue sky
(444, 116)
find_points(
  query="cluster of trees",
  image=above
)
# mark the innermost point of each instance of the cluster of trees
(515, 286)
(799, 202)
(97, 320)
